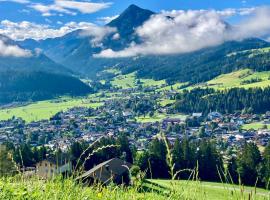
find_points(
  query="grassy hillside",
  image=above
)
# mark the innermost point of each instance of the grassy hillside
(237, 79)
(130, 80)
(213, 191)
(21, 189)
(45, 109)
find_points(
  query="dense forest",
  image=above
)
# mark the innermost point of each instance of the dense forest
(27, 86)
(254, 100)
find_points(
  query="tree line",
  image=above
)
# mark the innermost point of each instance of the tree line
(202, 157)
(253, 100)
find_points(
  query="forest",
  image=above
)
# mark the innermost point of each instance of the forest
(253, 100)
(37, 85)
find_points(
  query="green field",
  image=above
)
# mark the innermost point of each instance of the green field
(254, 126)
(124, 81)
(129, 81)
(45, 109)
(152, 83)
(251, 52)
(165, 102)
(234, 79)
(158, 117)
(213, 191)
(175, 86)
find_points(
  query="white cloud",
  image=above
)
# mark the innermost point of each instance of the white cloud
(25, 30)
(46, 9)
(7, 50)
(97, 33)
(17, 1)
(106, 20)
(69, 7)
(188, 31)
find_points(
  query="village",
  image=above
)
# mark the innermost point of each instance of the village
(87, 124)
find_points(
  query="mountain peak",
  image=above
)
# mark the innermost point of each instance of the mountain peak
(130, 19)
(134, 7)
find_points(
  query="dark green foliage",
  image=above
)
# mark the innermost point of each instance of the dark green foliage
(248, 164)
(210, 162)
(123, 142)
(27, 86)
(232, 174)
(266, 167)
(256, 100)
(186, 156)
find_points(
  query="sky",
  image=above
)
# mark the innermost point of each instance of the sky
(196, 23)
(53, 12)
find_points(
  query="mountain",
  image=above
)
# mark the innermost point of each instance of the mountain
(130, 19)
(19, 86)
(202, 65)
(35, 77)
(36, 62)
(76, 53)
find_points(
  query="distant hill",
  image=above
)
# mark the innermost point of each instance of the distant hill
(35, 77)
(18, 86)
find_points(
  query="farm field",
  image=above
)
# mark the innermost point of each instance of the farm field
(45, 109)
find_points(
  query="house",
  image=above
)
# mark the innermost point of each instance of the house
(51, 167)
(112, 171)
(215, 116)
(197, 115)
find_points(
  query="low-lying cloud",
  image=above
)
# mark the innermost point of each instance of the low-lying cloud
(28, 30)
(97, 33)
(187, 31)
(7, 50)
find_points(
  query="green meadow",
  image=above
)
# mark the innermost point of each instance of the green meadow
(45, 109)
(158, 117)
(213, 191)
(124, 81)
(255, 126)
(236, 78)
(129, 81)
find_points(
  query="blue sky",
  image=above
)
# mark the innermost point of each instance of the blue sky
(17, 12)
(195, 24)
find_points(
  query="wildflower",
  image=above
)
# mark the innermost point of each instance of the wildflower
(99, 195)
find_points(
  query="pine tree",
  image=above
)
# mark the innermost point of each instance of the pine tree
(248, 164)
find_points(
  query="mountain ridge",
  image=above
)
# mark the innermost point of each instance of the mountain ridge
(76, 53)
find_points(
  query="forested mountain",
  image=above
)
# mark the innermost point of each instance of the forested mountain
(34, 76)
(18, 86)
(76, 52)
(37, 61)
